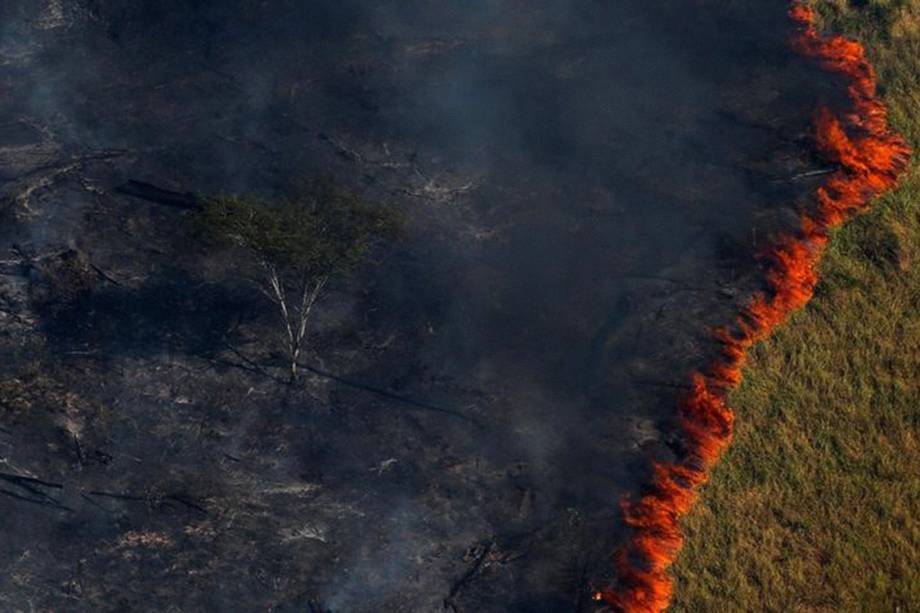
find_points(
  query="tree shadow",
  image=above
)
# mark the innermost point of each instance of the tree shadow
(174, 312)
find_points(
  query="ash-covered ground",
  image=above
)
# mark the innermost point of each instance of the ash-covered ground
(586, 185)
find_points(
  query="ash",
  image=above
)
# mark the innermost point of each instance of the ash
(586, 187)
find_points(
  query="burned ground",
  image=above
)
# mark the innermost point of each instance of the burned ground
(586, 186)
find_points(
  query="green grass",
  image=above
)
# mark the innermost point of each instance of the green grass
(816, 506)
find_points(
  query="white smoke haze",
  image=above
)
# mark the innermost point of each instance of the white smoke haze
(586, 185)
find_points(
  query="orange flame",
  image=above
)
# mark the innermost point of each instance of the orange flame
(870, 158)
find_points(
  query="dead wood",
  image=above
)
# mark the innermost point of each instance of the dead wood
(158, 195)
(468, 576)
(31, 485)
(153, 500)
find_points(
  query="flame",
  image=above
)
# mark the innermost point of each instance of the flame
(869, 159)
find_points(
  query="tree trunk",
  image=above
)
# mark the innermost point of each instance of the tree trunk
(307, 299)
(294, 318)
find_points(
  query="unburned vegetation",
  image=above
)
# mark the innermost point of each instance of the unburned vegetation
(814, 506)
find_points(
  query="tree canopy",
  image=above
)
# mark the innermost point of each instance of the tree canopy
(300, 240)
(320, 229)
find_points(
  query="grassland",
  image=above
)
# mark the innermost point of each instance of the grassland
(816, 506)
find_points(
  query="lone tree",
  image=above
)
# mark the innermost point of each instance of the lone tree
(299, 242)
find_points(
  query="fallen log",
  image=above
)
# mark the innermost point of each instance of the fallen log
(468, 576)
(31, 486)
(152, 193)
(45, 502)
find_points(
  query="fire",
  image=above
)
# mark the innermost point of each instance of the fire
(869, 159)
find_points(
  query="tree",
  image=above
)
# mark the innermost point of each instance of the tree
(299, 242)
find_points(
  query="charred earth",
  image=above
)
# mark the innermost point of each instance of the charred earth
(585, 185)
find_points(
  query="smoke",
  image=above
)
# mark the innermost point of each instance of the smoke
(581, 181)
(870, 158)
(369, 574)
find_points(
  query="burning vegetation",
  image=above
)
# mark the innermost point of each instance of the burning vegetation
(869, 158)
(466, 413)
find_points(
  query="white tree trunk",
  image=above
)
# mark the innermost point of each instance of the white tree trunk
(293, 318)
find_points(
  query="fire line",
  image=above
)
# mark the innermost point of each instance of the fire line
(869, 158)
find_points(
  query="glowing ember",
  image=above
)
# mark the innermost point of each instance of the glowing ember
(870, 159)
